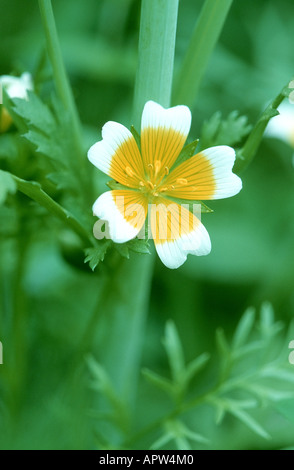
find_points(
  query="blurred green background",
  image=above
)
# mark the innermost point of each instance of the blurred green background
(43, 404)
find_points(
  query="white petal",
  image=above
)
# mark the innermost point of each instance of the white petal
(120, 230)
(117, 151)
(177, 117)
(176, 233)
(102, 152)
(222, 159)
(174, 253)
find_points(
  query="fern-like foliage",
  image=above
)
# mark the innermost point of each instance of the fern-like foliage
(252, 375)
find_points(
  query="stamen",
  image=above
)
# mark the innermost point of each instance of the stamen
(155, 194)
(150, 166)
(166, 170)
(163, 190)
(129, 171)
(151, 186)
(142, 184)
(182, 181)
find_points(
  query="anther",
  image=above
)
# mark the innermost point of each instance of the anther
(142, 184)
(150, 166)
(151, 186)
(166, 170)
(162, 190)
(182, 181)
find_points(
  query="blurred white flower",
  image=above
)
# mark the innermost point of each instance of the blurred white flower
(282, 126)
(15, 87)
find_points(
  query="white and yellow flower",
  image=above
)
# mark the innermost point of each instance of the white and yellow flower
(152, 183)
(15, 87)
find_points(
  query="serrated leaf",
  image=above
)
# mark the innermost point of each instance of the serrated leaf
(95, 255)
(224, 131)
(7, 186)
(35, 113)
(39, 122)
(139, 246)
(122, 250)
(44, 144)
(243, 329)
(174, 351)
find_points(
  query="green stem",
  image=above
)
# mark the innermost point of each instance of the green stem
(123, 327)
(54, 51)
(60, 76)
(247, 153)
(34, 191)
(156, 54)
(203, 41)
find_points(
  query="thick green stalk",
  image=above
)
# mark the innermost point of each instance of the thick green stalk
(60, 76)
(203, 41)
(156, 54)
(130, 285)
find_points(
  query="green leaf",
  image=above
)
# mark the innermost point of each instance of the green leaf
(244, 328)
(222, 343)
(248, 420)
(39, 122)
(35, 113)
(229, 131)
(136, 136)
(10, 147)
(192, 205)
(174, 351)
(96, 254)
(113, 185)
(195, 366)
(7, 186)
(139, 246)
(122, 250)
(160, 382)
(268, 326)
(187, 152)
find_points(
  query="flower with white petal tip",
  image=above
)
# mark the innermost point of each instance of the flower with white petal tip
(152, 182)
(15, 87)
